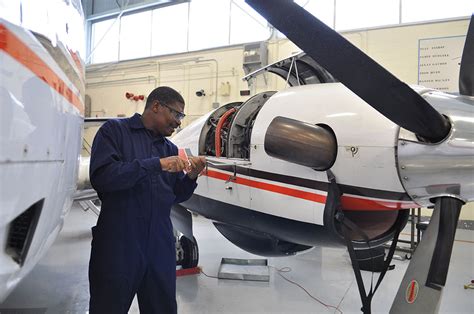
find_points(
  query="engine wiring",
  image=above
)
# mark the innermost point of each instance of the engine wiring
(286, 269)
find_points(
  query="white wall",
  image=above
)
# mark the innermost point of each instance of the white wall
(187, 73)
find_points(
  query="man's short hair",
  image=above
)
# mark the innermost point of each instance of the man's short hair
(165, 95)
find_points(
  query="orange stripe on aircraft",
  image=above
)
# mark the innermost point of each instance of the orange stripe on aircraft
(348, 202)
(27, 57)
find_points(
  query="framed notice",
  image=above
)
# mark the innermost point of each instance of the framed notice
(439, 62)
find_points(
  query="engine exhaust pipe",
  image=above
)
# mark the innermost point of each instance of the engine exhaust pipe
(301, 143)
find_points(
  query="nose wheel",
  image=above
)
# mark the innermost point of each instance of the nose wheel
(187, 252)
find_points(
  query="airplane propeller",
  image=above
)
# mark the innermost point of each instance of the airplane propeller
(403, 106)
(365, 77)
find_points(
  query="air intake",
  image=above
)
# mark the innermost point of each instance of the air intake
(21, 232)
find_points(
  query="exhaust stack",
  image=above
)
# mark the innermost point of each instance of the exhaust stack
(298, 142)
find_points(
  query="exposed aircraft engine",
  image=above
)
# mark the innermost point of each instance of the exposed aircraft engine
(301, 143)
(228, 129)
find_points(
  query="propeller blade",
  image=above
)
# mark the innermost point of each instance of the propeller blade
(425, 277)
(466, 73)
(366, 78)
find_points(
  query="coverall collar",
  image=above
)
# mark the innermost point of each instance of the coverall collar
(137, 123)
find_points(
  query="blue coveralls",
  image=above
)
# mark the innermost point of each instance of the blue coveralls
(133, 246)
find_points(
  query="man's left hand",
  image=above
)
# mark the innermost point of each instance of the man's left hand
(196, 165)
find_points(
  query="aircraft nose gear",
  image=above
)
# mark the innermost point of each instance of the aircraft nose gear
(187, 252)
(348, 225)
(334, 199)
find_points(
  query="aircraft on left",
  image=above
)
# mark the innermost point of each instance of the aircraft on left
(41, 122)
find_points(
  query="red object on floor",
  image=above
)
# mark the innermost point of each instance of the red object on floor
(188, 271)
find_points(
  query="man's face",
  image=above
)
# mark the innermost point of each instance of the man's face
(167, 117)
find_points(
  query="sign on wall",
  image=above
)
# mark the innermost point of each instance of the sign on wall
(439, 61)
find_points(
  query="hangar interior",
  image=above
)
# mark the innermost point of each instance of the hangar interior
(204, 49)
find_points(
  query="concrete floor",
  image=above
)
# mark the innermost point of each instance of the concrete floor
(59, 284)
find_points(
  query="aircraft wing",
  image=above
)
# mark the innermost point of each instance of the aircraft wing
(91, 122)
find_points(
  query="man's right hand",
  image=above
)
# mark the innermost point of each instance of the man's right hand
(172, 164)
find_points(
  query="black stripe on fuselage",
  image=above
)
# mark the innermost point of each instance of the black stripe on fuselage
(312, 184)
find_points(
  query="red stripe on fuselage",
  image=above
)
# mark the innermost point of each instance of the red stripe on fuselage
(270, 187)
(13, 46)
(348, 202)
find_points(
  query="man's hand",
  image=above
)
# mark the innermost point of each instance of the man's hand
(196, 165)
(173, 164)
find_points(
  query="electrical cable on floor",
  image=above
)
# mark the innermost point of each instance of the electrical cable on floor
(345, 293)
(287, 270)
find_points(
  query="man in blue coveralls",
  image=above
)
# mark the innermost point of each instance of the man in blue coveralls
(138, 177)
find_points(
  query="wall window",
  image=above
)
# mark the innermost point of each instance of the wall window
(352, 14)
(322, 9)
(105, 41)
(208, 24)
(246, 25)
(170, 29)
(423, 10)
(203, 24)
(135, 35)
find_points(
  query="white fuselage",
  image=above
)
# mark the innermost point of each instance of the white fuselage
(366, 158)
(40, 139)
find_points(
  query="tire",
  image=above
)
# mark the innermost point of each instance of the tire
(191, 252)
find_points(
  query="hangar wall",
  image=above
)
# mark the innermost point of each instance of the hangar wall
(395, 48)
(219, 71)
